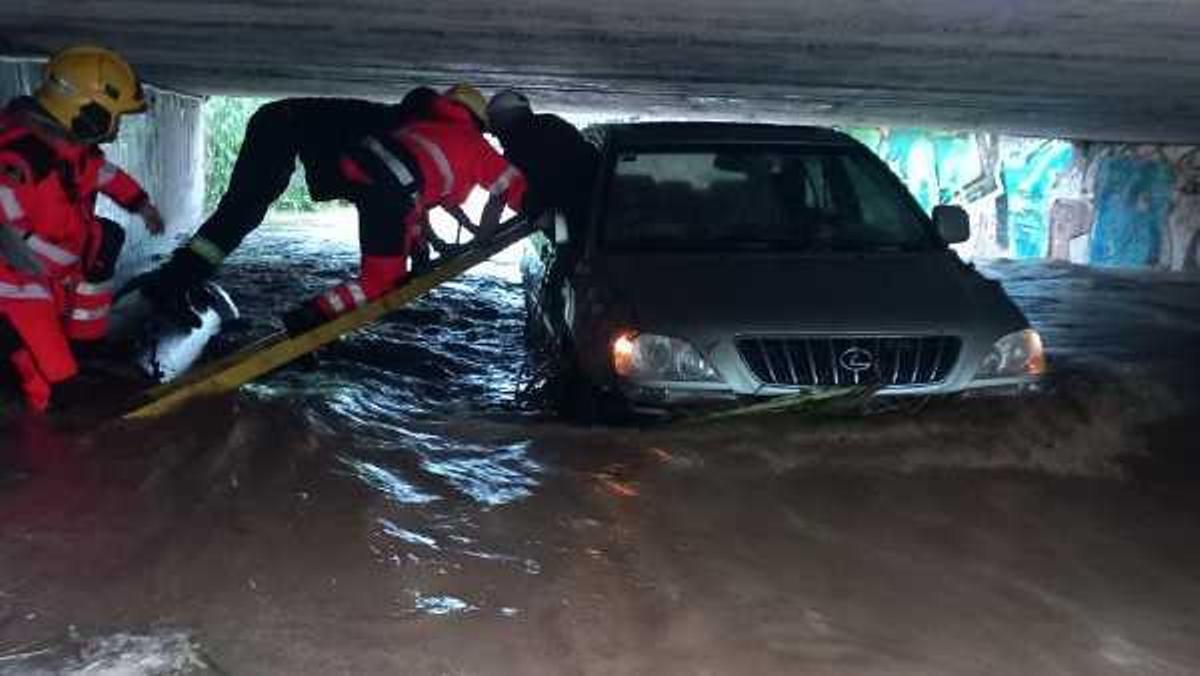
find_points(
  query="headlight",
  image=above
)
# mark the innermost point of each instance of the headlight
(1017, 354)
(645, 356)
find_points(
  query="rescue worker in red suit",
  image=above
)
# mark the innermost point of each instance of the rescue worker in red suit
(398, 176)
(431, 155)
(316, 131)
(57, 258)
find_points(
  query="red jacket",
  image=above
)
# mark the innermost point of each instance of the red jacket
(454, 158)
(48, 189)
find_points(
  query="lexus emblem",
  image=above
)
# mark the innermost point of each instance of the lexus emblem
(856, 359)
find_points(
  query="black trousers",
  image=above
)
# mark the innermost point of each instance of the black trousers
(381, 215)
(261, 173)
(275, 137)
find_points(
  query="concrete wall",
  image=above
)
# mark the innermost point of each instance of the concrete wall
(163, 150)
(1094, 203)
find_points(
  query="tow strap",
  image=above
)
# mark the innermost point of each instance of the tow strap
(823, 400)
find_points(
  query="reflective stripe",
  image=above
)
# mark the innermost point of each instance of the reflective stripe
(51, 252)
(24, 291)
(9, 204)
(439, 158)
(207, 250)
(501, 184)
(94, 289)
(357, 293)
(393, 163)
(80, 314)
(108, 171)
(335, 301)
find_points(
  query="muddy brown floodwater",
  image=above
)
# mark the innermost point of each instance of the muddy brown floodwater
(403, 510)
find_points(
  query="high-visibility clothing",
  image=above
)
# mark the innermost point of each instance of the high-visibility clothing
(56, 257)
(34, 384)
(379, 275)
(432, 161)
(454, 158)
(89, 301)
(32, 306)
(386, 252)
(444, 155)
(49, 186)
(88, 308)
(48, 191)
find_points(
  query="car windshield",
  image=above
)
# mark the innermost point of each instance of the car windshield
(793, 198)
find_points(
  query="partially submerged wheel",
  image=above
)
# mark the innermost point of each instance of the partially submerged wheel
(585, 403)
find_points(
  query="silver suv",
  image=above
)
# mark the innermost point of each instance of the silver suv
(730, 261)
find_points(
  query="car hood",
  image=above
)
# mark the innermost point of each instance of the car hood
(928, 292)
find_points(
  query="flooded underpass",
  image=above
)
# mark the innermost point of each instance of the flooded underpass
(408, 507)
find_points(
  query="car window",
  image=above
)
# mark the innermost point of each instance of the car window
(759, 197)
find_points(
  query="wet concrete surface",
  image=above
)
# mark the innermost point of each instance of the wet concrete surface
(406, 510)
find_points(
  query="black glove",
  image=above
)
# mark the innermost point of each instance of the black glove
(168, 288)
(446, 249)
(302, 319)
(170, 303)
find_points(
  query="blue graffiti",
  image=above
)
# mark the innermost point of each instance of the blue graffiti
(1133, 203)
(1133, 196)
(935, 166)
(958, 165)
(912, 154)
(1028, 179)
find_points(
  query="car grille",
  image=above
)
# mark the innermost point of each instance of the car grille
(850, 360)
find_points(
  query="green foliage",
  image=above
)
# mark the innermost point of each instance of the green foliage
(225, 119)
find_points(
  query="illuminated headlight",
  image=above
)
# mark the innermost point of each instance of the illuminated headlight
(645, 356)
(1017, 354)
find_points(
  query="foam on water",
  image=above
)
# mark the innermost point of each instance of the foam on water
(161, 653)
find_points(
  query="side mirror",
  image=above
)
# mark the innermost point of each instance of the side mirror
(952, 223)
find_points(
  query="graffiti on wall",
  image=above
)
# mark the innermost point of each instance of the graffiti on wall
(1133, 202)
(1103, 204)
(1029, 173)
(936, 167)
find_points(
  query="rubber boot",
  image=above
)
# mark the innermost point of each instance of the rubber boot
(167, 287)
(302, 319)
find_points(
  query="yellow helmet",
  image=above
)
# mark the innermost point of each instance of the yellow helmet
(87, 89)
(472, 98)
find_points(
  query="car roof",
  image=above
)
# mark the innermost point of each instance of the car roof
(672, 133)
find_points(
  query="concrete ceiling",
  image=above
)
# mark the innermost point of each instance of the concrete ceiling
(1098, 69)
